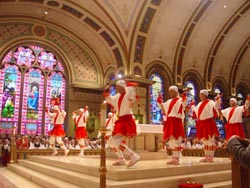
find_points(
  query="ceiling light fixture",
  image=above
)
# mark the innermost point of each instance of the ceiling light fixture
(225, 6)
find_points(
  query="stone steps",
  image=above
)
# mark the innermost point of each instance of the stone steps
(75, 171)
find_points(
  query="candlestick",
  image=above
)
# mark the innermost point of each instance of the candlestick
(14, 130)
(103, 113)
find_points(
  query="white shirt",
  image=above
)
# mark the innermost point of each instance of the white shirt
(83, 121)
(208, 111)
(237, 114)
(175, 109)
(60, 118)
(126, 104)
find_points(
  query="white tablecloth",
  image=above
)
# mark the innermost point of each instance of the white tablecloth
(149, 129)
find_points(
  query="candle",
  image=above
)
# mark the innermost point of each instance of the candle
(103, 113)
(14, 130)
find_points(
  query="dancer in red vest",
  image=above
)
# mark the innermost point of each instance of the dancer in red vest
(233, 115)
(57, 118)
(206, 128)
(81, 122)
(173, 129)
(125, 125)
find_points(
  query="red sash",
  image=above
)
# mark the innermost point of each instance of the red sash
(120, 102)
(171, 105)
(109, 120)
(231, 113)
(202, 106)
(56, 118)
(78, 119)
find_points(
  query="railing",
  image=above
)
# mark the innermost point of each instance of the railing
(23, 153)
(240, 176)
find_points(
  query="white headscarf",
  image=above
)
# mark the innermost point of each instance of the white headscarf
(234, 100)
(204, 91)
(173, 88)
(121, 83)
(81, 110)
(56, 107)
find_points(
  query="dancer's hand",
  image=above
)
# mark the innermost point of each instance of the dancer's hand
(159, 99)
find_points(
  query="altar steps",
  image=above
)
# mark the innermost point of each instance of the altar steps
(74, 171)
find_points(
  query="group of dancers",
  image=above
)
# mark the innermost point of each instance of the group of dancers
(121, 123)
(204, 113)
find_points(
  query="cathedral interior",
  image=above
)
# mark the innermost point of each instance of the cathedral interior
(68, 51)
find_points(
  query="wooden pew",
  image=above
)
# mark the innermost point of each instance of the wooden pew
(240, 175)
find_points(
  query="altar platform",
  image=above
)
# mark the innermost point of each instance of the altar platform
(76, 172)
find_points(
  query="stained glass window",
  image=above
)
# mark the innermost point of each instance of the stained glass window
(55, 94)
(190, 122)
(240, 98)
(31, 78)
(24, 56)
(32, 102)
(156, 90)
(219, 122)
(10, 85)
(47, 60)
(112, 88)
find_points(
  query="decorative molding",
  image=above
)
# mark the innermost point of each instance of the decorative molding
(187, 32)
(107, 38)
(72, 11)
(221, 36)
(147, 19)
(33, 1)
(140, 43)
(83, 66)
(39, 30)
(92, 23)
(156, 2)
(237, 60)
(118, 57)
(10, 31)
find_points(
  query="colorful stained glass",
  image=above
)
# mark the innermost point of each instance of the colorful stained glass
(8, 58)
(10, 85)
(32, 100)
(190, 122)
(59, 67)
(47, 60)
(33, 96)
(155, 90)
(240, 99)
(24, 56)
(55, 94)
(219, 123)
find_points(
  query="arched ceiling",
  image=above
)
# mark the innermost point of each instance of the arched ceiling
(211, 37)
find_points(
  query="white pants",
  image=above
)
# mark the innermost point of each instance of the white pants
(58, 139)
(175, 145)
(120, 148)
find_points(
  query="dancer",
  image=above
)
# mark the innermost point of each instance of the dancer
(206, 128)
(81, 133)
(173, 129)
(125, 125)
(110, 122)
(233, 115)
(57, 118)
